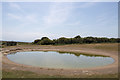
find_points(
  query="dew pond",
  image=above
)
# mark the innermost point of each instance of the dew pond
(52, 59)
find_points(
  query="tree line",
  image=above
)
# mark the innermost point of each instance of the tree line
(13, 43)
(76, 40)
(8, 43)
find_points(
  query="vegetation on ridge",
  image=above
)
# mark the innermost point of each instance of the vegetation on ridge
(75, 40)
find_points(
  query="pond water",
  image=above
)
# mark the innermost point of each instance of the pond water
(53, 59)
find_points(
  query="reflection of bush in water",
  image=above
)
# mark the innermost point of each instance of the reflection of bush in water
(45, 51)
(78, 54)
(13, 53)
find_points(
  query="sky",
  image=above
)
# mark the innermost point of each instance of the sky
(60, 0)
(27, 21)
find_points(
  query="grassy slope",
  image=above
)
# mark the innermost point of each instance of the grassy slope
(23, 74)
(27, 74)
(100, 46)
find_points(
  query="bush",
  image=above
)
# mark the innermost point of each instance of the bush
(75, 40)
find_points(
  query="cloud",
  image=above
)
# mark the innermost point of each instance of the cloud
(14, 5)
(75, 23)
(103, 19)
(14, 16)
(17, 7)
(22, 16)
(28, 36)
(58, 14)
(87, 4)
(30, 18)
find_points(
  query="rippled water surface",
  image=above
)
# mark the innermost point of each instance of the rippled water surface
(53, 59)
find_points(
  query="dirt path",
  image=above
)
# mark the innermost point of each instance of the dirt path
(112, 68)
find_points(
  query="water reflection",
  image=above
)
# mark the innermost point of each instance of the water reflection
(54, 59)
(72, 53)
(78, 54)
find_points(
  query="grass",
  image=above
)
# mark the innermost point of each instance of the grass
(24, 74)
(98, 46)
(28, 74)
(17, 74)
(104, 76)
